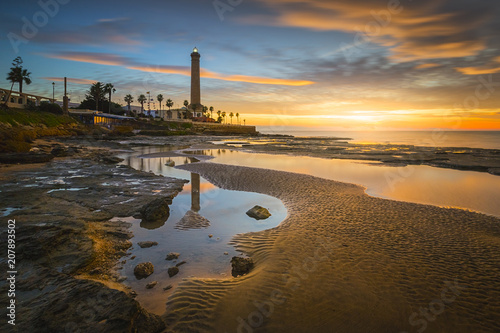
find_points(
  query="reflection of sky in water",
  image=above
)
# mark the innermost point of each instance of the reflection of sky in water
(415, 183)
(204, 256)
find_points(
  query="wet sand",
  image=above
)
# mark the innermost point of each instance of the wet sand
(343, 261)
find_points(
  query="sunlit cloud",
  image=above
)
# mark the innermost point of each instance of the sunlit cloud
(70, 80)
(426, 66)
(412, 31)
(492, 69)
(115, 60)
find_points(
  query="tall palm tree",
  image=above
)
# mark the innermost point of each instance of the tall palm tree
(18, 74)
(141, 99)
(160, 99)
(211, 112)
(238, 118)
(231, 115)
(224, 116)
(128, 99)
(109, 88)
(219, 116)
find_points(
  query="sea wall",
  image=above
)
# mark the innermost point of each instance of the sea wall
(219, 129)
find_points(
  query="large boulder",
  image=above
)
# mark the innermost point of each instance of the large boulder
(258, 213)
(241, 266)
(143, 270)
(157, 210)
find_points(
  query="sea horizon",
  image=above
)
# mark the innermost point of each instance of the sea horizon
(486, 139)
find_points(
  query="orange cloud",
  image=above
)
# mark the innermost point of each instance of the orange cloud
(93, 58)
(70, 80)
(412, 32)
(480, 70)
(425, 66)
(114, 60)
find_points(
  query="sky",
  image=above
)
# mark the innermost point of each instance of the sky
(340, 65)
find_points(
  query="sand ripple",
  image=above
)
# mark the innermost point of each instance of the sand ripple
(343, 261)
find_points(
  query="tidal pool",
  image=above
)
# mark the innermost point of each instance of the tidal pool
(205, 257)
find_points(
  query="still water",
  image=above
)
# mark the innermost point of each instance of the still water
(207, 257)
(471, 190)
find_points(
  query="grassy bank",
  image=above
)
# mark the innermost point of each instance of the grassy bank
(18, 128)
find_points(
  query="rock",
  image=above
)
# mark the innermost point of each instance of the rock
(210, 236)
(156, 210)
(173, 271)
(132, 258)
(170, 163)
(258, 213)
(180, 264)
(241, 266)
(172, 256)
(111, 159)
(225, 253)
(143, 270)
(151, 285)
(25, 158)
(147, 244)
(168, 287)
(59, 151)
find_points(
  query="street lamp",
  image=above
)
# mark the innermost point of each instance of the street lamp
(53, 86)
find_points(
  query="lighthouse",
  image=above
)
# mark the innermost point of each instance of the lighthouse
(195, 82)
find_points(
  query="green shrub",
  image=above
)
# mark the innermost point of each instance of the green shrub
(186, 125)
(50, 107)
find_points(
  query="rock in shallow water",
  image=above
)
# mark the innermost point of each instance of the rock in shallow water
(173, 271)
(241, 266)
(156, 210)
(258, 213)
(172, 256)
(147, 244)
(143, 270)
(151, 285)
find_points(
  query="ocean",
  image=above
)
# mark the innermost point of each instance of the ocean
(471, 139)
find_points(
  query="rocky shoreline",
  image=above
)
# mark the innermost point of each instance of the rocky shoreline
(67, 246)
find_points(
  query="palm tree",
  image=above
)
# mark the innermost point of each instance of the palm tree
(219, 116)
(231, 115)
(224, 116)
(211, 112)
(169, 103)
(238, 118)
(128, 99)
(141, 99)
(109, 88)
(18, 74)
(186, 103)
(160, 99)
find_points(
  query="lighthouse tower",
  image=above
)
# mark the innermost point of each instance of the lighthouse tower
(195, 82)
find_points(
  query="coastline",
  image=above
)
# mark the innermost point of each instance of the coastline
(347, 261)
(341, 259)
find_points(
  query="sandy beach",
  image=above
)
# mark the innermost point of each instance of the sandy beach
(347, 262)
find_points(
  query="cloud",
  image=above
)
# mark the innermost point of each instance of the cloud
(115, 60)
(428, 65)
(480, 70)
(69, 80)
(425, 29)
